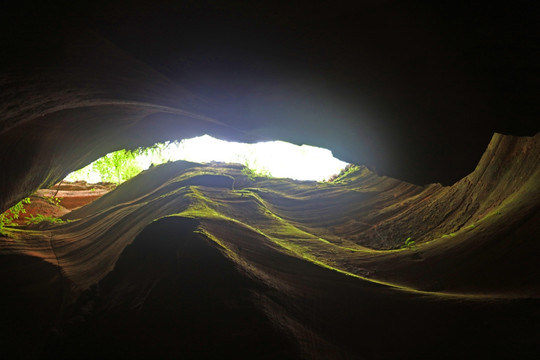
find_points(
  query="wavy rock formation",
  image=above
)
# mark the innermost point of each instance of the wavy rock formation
(197, 261)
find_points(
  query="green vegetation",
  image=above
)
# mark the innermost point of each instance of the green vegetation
(53, 200)
(117, 167)
(39, 218)
(409, 244)
(346, 171)
(7, 218)
(120, 166)
(448, 235)
(252, 171)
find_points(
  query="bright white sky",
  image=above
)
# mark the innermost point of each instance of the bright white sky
(280, 158)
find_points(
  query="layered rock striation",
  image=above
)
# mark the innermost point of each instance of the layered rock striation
(201, 260)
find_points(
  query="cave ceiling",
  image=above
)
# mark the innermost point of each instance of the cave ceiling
(413, 92)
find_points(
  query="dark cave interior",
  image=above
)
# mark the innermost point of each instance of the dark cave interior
(436, 103)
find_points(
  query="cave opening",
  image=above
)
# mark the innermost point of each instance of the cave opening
(261, 160)
(278, 159)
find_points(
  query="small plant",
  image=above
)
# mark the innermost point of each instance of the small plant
(409, 244)
(7, 218)
(39, 218)
(53, 200)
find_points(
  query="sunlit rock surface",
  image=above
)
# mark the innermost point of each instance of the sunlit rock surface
(191, 260)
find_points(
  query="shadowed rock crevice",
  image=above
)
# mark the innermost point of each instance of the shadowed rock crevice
(172, 292)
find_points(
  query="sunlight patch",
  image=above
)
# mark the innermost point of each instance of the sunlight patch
(274, 158)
